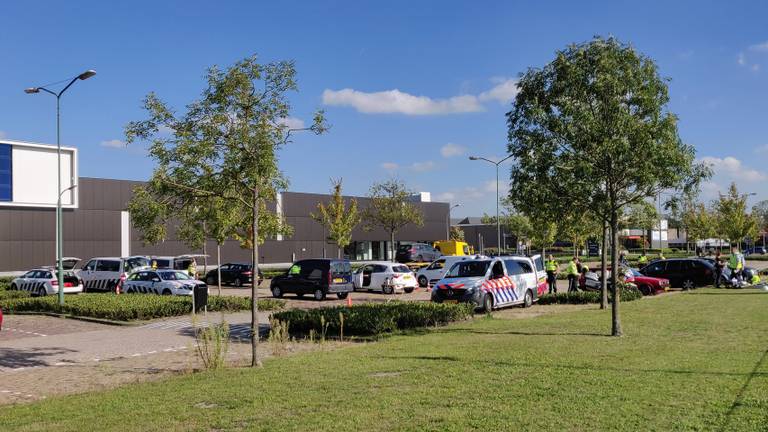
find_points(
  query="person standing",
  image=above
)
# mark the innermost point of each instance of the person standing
(642, 261)
(192, 270)
(719, 264)
(735, 265)
(551, 267)
(573, 275)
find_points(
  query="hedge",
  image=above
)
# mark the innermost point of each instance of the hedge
(587, 297)
(373, 319)
(130, 307)
(8, 294)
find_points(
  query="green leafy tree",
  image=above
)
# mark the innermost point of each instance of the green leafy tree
(578, 228)
(337, 218)
(224, 146)
(760, 211)
(392, 209)
(699, 222)
(456, 234)
(641, 215)
(732, 220)
(590, 132)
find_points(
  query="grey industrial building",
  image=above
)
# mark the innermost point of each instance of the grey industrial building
(99, 226)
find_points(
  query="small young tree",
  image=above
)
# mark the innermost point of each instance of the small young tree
(699, 222)
(391, 208)
(224, 146)
(733, 221)
(642, 215)
(337, 218)
(456, 234)
(760, 211)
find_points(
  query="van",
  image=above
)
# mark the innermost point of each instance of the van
(107, 274)
(318, 277)
(437, 269)
(453, 247)
(489, 283)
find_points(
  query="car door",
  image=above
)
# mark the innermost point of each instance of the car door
(378, 276)
(529, 277)
(293, 283)
(436, 270)
(87, 274)
(313, 276)
(366, 273)
(656, 269)
(515, 274)
(106, 275)
(675, 272)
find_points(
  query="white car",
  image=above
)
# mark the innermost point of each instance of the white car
(163, 282)
(432, 273)
(384, 276)
(41, 282)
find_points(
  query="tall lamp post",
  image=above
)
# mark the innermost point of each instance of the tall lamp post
(498, 221)
(83, 76)
(448, 229)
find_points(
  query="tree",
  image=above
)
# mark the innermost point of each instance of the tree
(733, 221)
(337, 218)
(578, 228)
(456, 234)
(391, 208)
(590, 132)
(760, 211)
(699, 222)
(642, 215)
(224, 146)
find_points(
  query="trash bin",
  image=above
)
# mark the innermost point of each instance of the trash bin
(200, 297)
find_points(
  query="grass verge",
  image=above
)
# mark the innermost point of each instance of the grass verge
(695, 361)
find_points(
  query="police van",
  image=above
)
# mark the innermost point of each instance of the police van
(490, 283)
(107, 274)
(427, 276)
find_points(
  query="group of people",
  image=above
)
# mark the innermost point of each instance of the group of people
(574, 269)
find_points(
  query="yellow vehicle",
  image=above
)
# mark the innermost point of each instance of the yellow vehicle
(453, 248)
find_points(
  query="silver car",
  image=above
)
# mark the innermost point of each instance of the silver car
(163, 282)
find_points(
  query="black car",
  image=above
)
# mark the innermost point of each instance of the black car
(236, 274)
(318, 277)
(686, 273)
(416, 252)
(758, 250)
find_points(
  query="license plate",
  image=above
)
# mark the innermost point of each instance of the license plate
(450, 301)
(338, 280)
(408, 277)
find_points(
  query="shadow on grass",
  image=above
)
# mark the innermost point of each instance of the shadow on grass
(731, 293)
(737, 402)
(519, 333)
(18, 358)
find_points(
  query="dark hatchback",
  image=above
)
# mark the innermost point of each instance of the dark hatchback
(686, 273)
(318, 277)
(232, 274)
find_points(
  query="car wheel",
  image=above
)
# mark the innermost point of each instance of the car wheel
(342, 295)
(487, 303)
(41, 292)
(645, 290)
(688, 284)
(14, 287)
(210, 280)
(167, 292)
(319, 294)
(388, 289)
(238, 283)
(408, 290)
(423, 282)
(528, 300)
(277, 292)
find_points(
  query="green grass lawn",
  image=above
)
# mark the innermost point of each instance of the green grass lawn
(693, 361)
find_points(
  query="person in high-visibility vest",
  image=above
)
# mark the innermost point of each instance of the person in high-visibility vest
(573, 275)
(192, 270)
(551, 267)
(735, 265)
(661, 256)
(643, 260)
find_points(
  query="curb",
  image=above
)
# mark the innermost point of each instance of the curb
(82, 318)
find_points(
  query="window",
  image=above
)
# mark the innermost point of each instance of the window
(45, 275)
(90, 266)
(168, 275)
(225, 267)
(379, 268)
(163, 263)
(437, 265)
(341, 268)
(468, 269)
(134, 277)
(401, 269)
(6, 173)
(295, 270)
(315, 274)
(132, 264)
(498, 270)
(656, 268)
(674, 266)
(525, 266)
(513, 267)
(108, 266)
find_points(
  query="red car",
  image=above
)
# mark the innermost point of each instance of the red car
(646, 284)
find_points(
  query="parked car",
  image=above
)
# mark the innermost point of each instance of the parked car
(758, 250)
(427, 276)
(108, 273)
(418, 252)
(161, 282)
(384, 276)
(181, 262)
(686, 273)
(236, 274)
(43, 281)
(318, 277)
(648, 285)
(489, 283)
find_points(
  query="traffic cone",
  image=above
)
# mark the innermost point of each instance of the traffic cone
(349, 301)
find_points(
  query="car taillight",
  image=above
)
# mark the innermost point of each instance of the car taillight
(54, 282)
(397, 275)
(412, 250)
(247, 273)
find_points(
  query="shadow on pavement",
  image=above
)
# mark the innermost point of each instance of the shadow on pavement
(16, 358)
(237, 332)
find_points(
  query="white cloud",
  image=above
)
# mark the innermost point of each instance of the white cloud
(115, 143)
(389, 166)
(423, 166)
(450, 150)
(504, 91)
(445, 197)
(733, 168)
(741, 59)
(292, 122)
(395, 101)
(760, 47)
(755, 68)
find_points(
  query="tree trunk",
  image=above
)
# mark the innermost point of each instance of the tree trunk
(218, 265)
(615, 318)
(205, 257)
(392, 245)
(604, 269)
(255, 361)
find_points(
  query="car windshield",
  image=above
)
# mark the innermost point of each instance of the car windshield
(468, 269)
(400, 269)
(635, 272)
(174, 276)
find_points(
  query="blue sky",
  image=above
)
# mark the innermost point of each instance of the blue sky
(410, 88)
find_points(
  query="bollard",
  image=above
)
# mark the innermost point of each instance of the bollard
(349, 301)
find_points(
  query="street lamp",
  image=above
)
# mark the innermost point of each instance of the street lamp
(498, 222)
(32, 90)
(448, 228)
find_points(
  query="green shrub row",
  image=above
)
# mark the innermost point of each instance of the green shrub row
(372, 319)
(8, 294)
(129, 307)
(628, 293)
